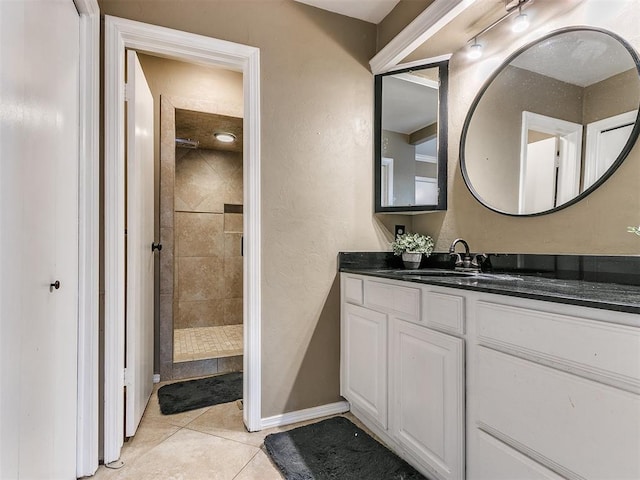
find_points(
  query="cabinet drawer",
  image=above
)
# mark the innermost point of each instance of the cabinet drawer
(353, 290)
(403, 302)
(605, 352)
(580, 428)
(497, 461)
(443, 311)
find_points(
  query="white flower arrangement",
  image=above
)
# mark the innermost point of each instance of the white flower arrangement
(412, 243)
(635, 230)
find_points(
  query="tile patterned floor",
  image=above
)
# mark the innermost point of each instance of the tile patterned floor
(210, 443)
(207, 342)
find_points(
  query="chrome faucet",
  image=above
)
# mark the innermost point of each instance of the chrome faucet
(468, 261)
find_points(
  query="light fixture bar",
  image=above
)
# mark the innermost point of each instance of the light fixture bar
(510, 10)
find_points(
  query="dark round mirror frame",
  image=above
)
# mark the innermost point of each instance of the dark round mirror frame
(623, 154)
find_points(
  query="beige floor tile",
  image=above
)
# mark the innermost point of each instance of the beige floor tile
(225, 421)
(151, 433)
(190, 455)
(260, 467)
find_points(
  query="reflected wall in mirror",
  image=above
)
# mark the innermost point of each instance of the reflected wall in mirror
(553, 123)
(411, 139)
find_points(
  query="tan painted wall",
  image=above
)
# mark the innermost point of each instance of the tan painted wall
(597, 224)
(602, 99)
(398, 18)
(317, 110)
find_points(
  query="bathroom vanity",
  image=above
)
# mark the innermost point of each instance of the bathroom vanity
(494, 376)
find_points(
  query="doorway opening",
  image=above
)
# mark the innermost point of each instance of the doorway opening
(199, 217)
(121, 34)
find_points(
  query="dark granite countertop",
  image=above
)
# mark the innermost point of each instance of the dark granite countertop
(534, 285)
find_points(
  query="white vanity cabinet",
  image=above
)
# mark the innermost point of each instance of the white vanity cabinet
(427, 396)
(470, 385)
(364, 361)
(556, 392)
(403, 379)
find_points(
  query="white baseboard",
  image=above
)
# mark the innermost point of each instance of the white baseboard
(306, 414)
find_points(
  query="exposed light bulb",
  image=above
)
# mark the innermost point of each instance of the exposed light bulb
(475, 51)
(225, 137)
(520, 23)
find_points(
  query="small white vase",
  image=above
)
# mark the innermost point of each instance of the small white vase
(411, 260)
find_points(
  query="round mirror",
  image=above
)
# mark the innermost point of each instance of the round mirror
(552, 123)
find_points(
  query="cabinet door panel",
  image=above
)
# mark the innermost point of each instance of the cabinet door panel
(364, 362)
(428, 397)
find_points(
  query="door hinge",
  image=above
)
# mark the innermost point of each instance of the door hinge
(125, 377)
(126, 92)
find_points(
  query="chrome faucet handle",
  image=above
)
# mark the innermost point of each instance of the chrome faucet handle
(478, 260)
(457, 259)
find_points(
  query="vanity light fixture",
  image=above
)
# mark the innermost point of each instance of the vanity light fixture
(225, 137)
(520, 24)
(475, 50)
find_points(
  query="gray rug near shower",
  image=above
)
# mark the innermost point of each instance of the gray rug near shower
(203, 392)
(335, 449)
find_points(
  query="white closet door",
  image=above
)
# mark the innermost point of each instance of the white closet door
(140, 236)
(39, 125)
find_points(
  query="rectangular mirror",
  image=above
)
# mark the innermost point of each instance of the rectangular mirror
(411, 139)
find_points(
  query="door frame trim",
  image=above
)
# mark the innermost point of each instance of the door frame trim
(121, 34)
(88, 239)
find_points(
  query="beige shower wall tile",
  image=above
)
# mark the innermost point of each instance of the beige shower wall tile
(233, 223)
(198, 187)
(166, 335)
(166, 260)
(232, 311)
(230, 364)
(233, 277)
(167, 162)
(232, 244)
(167, 178)
(200, 278)
(208, 313)
(228, 165)
(199, 234)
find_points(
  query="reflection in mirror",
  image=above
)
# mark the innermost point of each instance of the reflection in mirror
(410, 139)
(552, 123)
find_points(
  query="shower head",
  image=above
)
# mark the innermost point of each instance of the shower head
(187, 143)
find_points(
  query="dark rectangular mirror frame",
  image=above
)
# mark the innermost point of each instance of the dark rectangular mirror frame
(443, 71)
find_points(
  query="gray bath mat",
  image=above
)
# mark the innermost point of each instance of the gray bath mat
(335, 449)
(202, 392)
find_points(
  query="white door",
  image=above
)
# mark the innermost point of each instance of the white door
(364, 364)
(427, 397)
(39, 135)
(140, 236)
(605, 140)
(539, 193)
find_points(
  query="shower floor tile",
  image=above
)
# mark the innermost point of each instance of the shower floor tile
(200, 343)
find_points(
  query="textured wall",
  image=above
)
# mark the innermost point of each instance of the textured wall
(401, 16)
(597, 224)
(317, 148)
